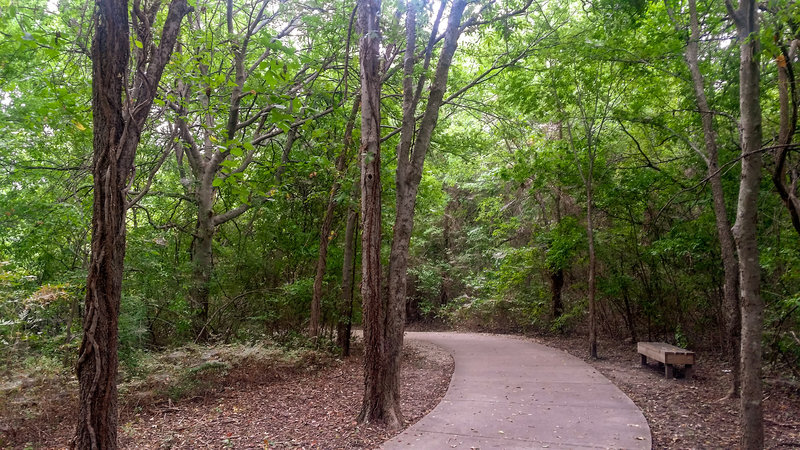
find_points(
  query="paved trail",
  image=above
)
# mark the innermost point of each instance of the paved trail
(511, 393)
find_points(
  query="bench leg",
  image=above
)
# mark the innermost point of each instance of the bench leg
(668, 372)
(689, 371)
(644, 360)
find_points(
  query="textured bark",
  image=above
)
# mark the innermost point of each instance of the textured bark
(410, 164)
(744, 230)
(379, 405)
(97, 364)
(117, 129)
(327, 222)
(727, 246)
(202, 259)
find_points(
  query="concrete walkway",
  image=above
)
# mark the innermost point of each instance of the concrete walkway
(511, 393)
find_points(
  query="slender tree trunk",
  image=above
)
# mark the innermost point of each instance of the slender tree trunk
(629, 317)
(557, 275)
(117, 126)
(588, 180)
(379, 403)
(556, 286)
(727, 246)
(327, 222)
(744, 230)
(348, 275)
(592, 267)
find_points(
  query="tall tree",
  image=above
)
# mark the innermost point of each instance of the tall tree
(746, 19)
(594, 105)
(415, 141)
(730, 263)
(414, 144)
(379, 405)
(226, 127)
(206, 157)
(118, 123)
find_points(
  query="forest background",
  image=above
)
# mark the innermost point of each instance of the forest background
(581, 175)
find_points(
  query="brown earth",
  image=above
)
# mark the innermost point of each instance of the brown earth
(313, 405)
(291, 410)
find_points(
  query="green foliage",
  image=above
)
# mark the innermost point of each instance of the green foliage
(563, 243)
(590, 94)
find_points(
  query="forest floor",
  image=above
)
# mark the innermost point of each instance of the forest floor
(310, 404)
(690, 413)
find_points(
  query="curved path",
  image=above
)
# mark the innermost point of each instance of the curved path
(512, 393)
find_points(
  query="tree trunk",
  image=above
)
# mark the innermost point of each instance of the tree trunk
(202, 262)
(409, 174)
(556, 286)
(630, 319)
(379, 405)
(557, 275)
(97, 364)
(117, 127)
(327, 222)
(348, 275)
(291, 135)
(727, 247)
(744, 230)
(592, 269)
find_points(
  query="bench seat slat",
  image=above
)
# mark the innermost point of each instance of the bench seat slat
(666, 353)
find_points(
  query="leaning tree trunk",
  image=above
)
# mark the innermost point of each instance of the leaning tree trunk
(409, 174)
(378, 405)
(730, 264)
(327, 222)
(744, 230)
(117, 129)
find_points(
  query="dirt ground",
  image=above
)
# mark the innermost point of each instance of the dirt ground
(290, 411)
(690, 413)
(316, 408)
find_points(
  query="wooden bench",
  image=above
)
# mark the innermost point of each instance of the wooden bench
(669, 355)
